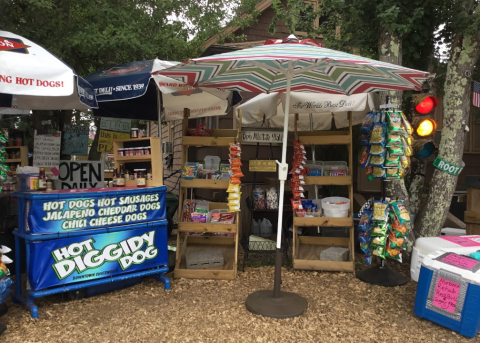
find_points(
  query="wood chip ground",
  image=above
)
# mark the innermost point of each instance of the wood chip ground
(341, 308)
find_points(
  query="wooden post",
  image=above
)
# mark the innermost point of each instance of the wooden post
(472, 214)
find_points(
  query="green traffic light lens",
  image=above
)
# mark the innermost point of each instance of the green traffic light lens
(426, 151)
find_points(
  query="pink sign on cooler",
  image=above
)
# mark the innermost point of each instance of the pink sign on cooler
(464, 241)
(459, 261)
(446, 295)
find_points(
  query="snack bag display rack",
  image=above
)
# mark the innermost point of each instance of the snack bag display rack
(306, 249)
(194, 243)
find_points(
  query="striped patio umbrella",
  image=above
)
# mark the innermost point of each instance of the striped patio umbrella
(295, 65)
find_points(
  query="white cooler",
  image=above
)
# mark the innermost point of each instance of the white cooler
(427, 245)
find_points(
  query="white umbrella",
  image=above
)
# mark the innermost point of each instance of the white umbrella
(317, 107)
(39, 79)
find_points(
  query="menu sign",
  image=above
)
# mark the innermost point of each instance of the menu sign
(46, 148)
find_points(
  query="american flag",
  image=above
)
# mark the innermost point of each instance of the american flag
(476, 93)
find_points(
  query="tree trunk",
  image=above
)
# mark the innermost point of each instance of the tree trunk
(464, 55)
(390, 51)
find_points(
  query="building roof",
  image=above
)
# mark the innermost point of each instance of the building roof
(261, 6)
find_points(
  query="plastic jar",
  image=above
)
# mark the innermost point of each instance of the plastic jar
(134, 133)
(141, 180)
(146, 150)
(121, 152)
(139, 151)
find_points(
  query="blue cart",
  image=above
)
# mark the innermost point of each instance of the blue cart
(81, 239)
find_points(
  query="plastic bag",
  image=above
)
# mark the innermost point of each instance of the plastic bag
(380, 211)
(378, 134)
(401, 212)
(395, 122)
(367, 123)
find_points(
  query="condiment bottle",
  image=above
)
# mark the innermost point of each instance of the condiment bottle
(127, 175)
(114, 178)
(49, 185)
(121, 177)
(141, 182)
(42, 181)
(149, 174)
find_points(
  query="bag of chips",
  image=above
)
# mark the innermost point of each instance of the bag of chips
(407, 149)
(379, 229)
(364, 238)
(398, 229)
(395, 122)
(405, 161)
(392, 161)
(406, 125)
(365, 139)
(365, 248)
(395, 151)
(364, 157)
(377, 161)
(365, 224)
(400, 211)
(396, 242)
(393, 139)
(392, 174)
(380, 211)
(379, 251)
(367, 123)
(377, 173)
(376, 150)
(378, 134)
(393, 253)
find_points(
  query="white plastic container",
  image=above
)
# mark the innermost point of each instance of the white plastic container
(335, 211)
(427, 245)
(211, 163)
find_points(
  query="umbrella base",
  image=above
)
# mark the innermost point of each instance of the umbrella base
(288, 305)
(382, 276)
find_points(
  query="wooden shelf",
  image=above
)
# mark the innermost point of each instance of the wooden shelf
(13, 147)
(12, 160)
(328, 180)
(218, 138)
(307, 249)
(136, 158)
(207, 227)
(226, 245)
(149, 183)
(204, 183)
(322, 138)
(323, 221)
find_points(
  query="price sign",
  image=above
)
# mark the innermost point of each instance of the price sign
(262, 166)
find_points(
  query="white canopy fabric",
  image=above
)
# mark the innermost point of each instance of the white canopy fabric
(202, 102)
(322, 107)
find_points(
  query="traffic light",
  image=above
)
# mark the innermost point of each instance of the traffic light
(424, 124)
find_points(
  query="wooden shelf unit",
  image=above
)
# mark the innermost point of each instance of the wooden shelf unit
(23, 160)
(155, 158)
(185, 243)
(306, 250)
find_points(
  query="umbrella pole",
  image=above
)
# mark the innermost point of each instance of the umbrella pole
(159, 110)
(279, 304)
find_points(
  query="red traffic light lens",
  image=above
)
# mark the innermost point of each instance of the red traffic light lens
(427, 105)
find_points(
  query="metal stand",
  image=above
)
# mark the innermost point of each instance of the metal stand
(276, 304)
(381, 275)
(3, 310)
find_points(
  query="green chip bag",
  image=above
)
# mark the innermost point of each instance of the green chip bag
(395, 151)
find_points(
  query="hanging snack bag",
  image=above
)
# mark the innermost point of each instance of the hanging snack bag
(272, 198)
(392, 174)
(376, 150)
(405, 161)
(380, 211)
(406, 125)
(365, 248)
(407, 149)
(400, 211)
(235, 180)
(379, 240)
(364, 238)
(396, 242)
(364, 224)
(379, 251)
(235, 147)
(398, 229)
(365, 139)
(395, 151)
(379, 229)
(393, 139)
(393, 253)
(233, 188)
(392, 161)
(364, 157)
(367, 123)
(377, 161)
(378, 134)
(395, 123)
(296, 204)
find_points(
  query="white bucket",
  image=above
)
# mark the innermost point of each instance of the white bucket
(336, 211)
